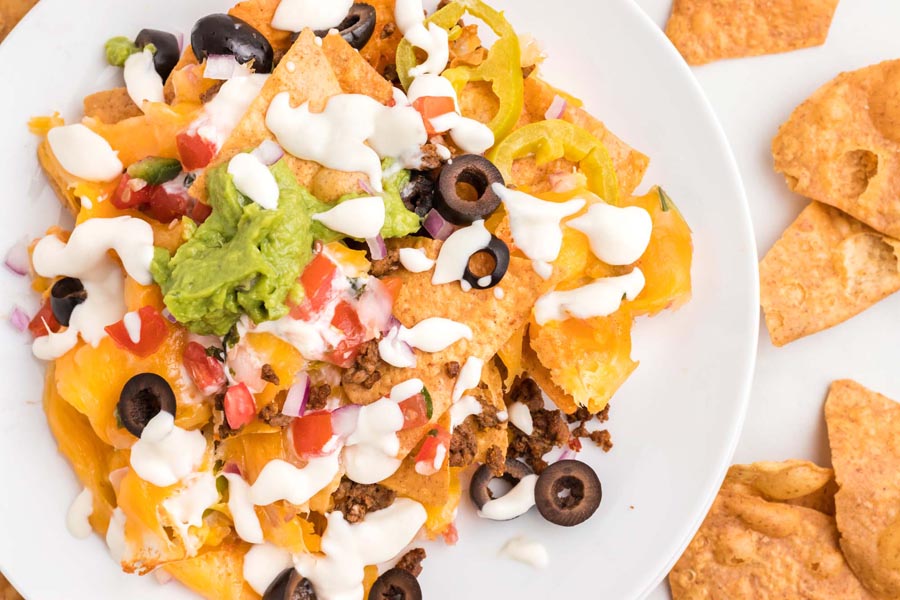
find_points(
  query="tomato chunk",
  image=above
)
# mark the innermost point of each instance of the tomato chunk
(312, 433)
(153, 331)
(131, 192)
(346, 319)
(196, 151)
(433, 106)
(240, 407)
(317, 281)
(433, 452)
(205, 371)
(416, 411)
(43, 320)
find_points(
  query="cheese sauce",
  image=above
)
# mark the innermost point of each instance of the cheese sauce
(371, 452)
(462, 409)
(358, 217)
(254, 180)
(246, 521)
(186, 508)
(434, 334)
(514, 503)
(601, 298)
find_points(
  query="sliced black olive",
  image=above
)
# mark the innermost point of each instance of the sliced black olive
(167, 51)
(418, 194)
(568, 493)
(464, 191)
(396, 584)
(290, 585)
(65, 295)
(357, 27)
(478, 488)
(143, 397)
(499, 252)
(224, 34)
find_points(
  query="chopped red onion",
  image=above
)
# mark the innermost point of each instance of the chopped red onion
(343, 420)
(377, 248)
(232, 469)
(297, 397)
(220, 66)
(268, 153)
(567, 454)
(19, 319)
(179, 35)
(364, 184)
(169, 316)
(17, 259)
(557, 108)
(437, 226)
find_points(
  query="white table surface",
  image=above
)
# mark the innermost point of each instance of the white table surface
(752, 97)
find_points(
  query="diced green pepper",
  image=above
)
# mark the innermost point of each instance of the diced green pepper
(155, 170)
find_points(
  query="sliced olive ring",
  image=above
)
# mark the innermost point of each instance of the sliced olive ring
(479, 491)
(581, 501)
(65, 295)
(224, 34)
(499, 251)
(357, 27)
(143, 397)
(467, 171)
(167, 52)
(396, 584)
(418, 194)
(290, 585)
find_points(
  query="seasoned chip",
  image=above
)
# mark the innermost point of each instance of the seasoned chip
(354, 74)
(111, 106)
(826, 268)
(259, 14)
(490, 393)
(708, 30)
(797, 482)
(428, 489)
(544, 379)
(864, 432)
(842, 146)
(749, 548)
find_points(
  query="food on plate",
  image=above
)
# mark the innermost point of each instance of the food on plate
(826, 268)
(797, 482)
(863, 429)
(840, 146)
(323, 256)
(708, 30)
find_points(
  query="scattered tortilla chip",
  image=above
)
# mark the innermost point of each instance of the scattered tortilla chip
(709, 30)
(111, 106)
(354, 74)
(749, 548)
(11, 12)
(425, 489)
(864, 432)
(60, 180)
(796, 482)
(842, 146)
(826, 268)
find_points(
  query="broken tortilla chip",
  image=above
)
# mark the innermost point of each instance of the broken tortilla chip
(354, 74)
(111, 106)
(864, 433)
(796, 482)
(541, 375)
(749, 548)
(708, 30)
(431, 489)
(842, 146)
(490, 393)
(826, 268)
(382, 46)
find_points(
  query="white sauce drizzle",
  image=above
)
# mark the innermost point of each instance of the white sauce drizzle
(254, 180)
(513, 504)
(371, 452)
(262, 564)
(132, 322)
(434, 334)
(395, 352)
(186, 508)
(115, 535)
(296, 15)
(544, 269)
(469, 377)
(462, 409)
(406, 389)
(84, 153)
(601, 298)
(410, 18)
(141, 79)
(457, 250)
(226, 109)
(246, 521)
(470, 135)
(166, 453)
(520, 416)
(77, 519)
(415, 260)
(617, 235)
(526, 551)
(359, 217)
(280, 480)
(499, 293)
(429, 468)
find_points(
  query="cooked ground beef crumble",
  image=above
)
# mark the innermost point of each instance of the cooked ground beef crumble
(356, 500)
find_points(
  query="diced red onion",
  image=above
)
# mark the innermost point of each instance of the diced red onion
(437, 226)
(297, 397)
(220, 66)
(567, 454)
(557, 108)
(343, 420)
(375, 308)
(169, 316)
(268, 153)
(377, 248)
(364, 184)
(179, 35)
(17, 259)
(232, 469)
(19, 319)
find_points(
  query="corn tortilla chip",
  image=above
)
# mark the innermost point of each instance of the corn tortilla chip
(354, 74)
(490, 392)
(709, 30)
(59, 179)
(111, 106)
(749, 548)
(382, 47)
(864, 433)
(797, 482)
(259, 14)
(544, 379)
(842, 146)
(826, 268)
(427, 489)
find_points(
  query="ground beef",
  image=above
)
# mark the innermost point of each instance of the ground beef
(356, 500)
(267, 373)
(388, 30)
(431, 158)
(221, 429)
(271, 412)
(582, 416)
(364, 371)
(488, 417)
(390, 73)
(603, 439)
(318, 396)
(550, 428)
(451, 369)
(463, 445)
(496, 460)
(388, 264)
(411, 562)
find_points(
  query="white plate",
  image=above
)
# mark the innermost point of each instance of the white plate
(675, 423)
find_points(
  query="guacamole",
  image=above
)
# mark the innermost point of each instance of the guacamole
(246, 260)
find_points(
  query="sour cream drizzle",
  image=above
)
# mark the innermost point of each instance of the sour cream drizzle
(457, 250)
(166, 453)
(601, 298)
(84, 153)
(514, 503)
(434, 334)
(469, 377)
(415, 260)
(262, 564)
(470, 135)
(520, 416)
(254, 180)
(115, 535)
(280, 480)
(80, 511)
(186, 507)
(526, 551)
(434, 40)
(226, 109)
(371, 451)
(359, 217)
(296, 15)
(462, 409)
(617, 235)
(141, 79)
(246, 522)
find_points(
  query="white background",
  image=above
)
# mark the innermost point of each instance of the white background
(752, 97)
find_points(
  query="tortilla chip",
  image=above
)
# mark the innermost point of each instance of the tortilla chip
(750, 548)
(490, 392)
(170, 91)
(216, 573)
(825, 269)
(426, 489)
(259, 14)
(382, 47)
(709, 30)
(60, 180)
(111, 106)
(796, 482)
(864, 432)
(354, 74)
(841, 147)
(541, 375)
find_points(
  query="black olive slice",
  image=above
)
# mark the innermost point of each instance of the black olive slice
(290, 585)
(224, 34)
(396, 584)
(167, 51)
(357, 27)
(418, 194)
(464, 191)
(65, 295)
(568, 493)
(479, 491)
(499, 252)
(143, 397)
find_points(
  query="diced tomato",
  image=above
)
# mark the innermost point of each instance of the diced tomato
(312, 433)
(346, 319)
(131, 193)
(416, 411)
(200, 212)
(435, 447)
(166, 206)
(37, 325)
(392, 285)
(451, 535)
(206, 371)
(317, 281)
(154, 330)
(196, 151)
(240, 407)
(433, 106)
